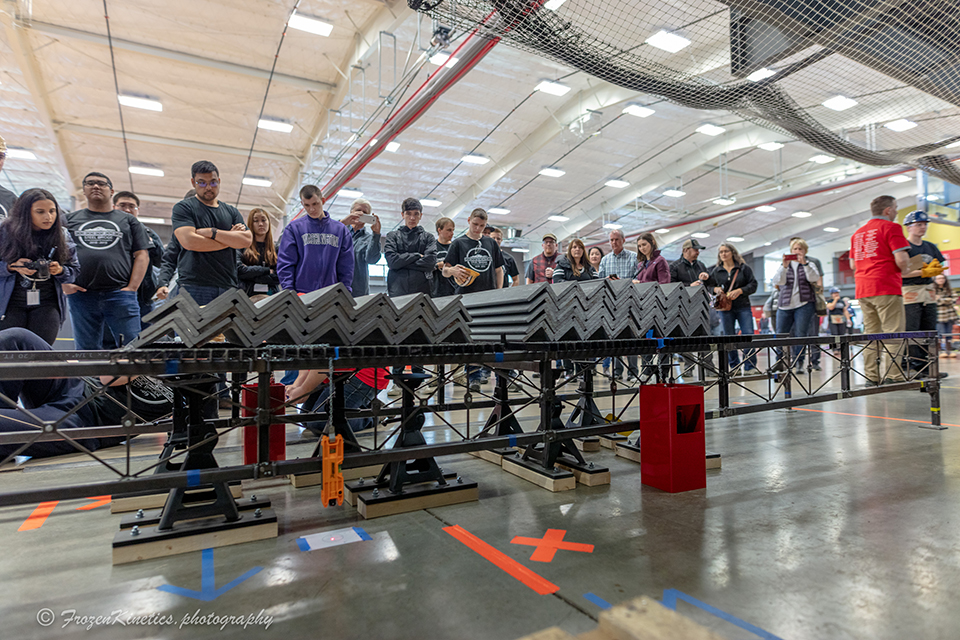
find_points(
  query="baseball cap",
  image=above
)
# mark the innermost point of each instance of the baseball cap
(692, 244)
(549, 236)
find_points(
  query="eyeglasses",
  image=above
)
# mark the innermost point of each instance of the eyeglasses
(127, 206)
(96, 183)
(203, 184)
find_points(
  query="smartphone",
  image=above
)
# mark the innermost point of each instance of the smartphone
(613, 277)
(367, 218)
(789, 256)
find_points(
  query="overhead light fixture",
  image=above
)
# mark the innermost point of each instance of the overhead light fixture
(310, 25)
(831, 229)
(900, 125)
(765, 208)
(443, 58)
(700, 235)
(21, 154)
(933, 197)
(474, 159)
(801, 214)
(350, 193)
(674, 193)
(274, 125)
(392, 146)
(761, 74)
(427, 202)
(146, 171)
(669, 42)
(822, 159)
(520, 250)
(735, 239)
(953, 145)
(638, 110)
(617, 184)
(612, 225)
(557, 218)
(767, 244)
(252, 181)
(839, 103)
(662, 231)
(900, 178)
(552, 172)
(724, 202)
(770, 146)
(553, 88)
(140, 103)
(710, 129)
(498, 211)
(553, 5)
(149, 220)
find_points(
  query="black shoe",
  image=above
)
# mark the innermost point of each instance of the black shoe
(816, 367)
(474, 386)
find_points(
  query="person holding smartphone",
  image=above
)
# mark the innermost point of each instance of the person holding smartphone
(366, 243)
(796, 278)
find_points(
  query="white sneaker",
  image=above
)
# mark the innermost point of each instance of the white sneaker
(394, 391)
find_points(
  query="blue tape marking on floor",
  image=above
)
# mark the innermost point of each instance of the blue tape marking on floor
(512, 439)
(498, 357)
(173, 366)
(303, 544)
(363, 534)
(193, 478)
(208, 583)
(597, 600)
(670, 597)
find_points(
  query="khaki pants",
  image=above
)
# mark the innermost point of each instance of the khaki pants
(883, 314)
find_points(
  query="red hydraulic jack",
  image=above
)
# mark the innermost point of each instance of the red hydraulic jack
(331, 492)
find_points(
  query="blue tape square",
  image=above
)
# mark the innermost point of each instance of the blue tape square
(173, 366)
(336, 353)
(512, 439)
(498, 357)
(193, 478)
(303, 544)
(363, 534)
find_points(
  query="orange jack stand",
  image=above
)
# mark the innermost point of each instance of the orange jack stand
(332, 490)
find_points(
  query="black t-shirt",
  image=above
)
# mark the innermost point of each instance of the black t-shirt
(838, 307)
(481, 255)
(150, 400)
(443, 286)
(106, 243)
(928, 251)
(210, 268)
(47, 289)
(509, 268)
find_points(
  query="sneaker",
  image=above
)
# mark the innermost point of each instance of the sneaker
(514, 387)
(394, 391)
(816, 367)
(474, 386)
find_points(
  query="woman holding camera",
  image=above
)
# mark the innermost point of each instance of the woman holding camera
(36, 259)
(734, 284)
(257, 264)
(797, 278)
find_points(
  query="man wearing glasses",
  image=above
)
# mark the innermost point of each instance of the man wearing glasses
(112, 248)
(210, 232)
(128, 202)
(7, 197)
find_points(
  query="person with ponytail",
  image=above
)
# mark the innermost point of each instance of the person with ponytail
(36, 259)
(257, 264)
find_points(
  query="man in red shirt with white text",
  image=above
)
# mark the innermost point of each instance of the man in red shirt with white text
(878, 257)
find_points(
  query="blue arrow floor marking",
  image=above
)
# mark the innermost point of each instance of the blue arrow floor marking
(670, 597)
(208, 583)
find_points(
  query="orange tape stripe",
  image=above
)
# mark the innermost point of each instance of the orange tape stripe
(861, 415)
(39, 516)
(100, 501)
(531, 579)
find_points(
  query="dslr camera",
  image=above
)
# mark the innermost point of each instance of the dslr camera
(42, 268)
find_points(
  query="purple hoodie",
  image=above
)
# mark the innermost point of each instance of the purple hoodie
(314, 254)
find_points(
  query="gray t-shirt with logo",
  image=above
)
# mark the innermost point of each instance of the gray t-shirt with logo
(106, 243)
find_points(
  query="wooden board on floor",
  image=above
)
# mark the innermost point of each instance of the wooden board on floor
(713, 460)
(588, 477)
(610, 440)
(591, 443)
(646, 618)
(415, 498)
(553, 633)
(313, 479)
(628, 451)
(192, 536)
(494, 456)
(563, 481)
(353, 488)
(123, 504)
(151, 517)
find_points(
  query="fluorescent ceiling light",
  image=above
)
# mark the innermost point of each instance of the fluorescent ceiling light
(831, 229)
(21, 154)
(474, 159)
(932, 197)
(953, 145)
(723, 202)
(392, 146)
(251, 181)
(612, 225)
(553, 88)
(617, 184)
(310, 25)
(274, 125)
(146, 171)
(900, 178)
(761, 74)
(735, 239)
(638, 110)
(900, 125)
(558, 218)
(553, 5)
(350, 193)
(801, 214)
(674, 193)
(149, 220)
(710, 130)
(822, 159)
(520, 250)
(700, 235)
(497, 211)
(140, 103)
(767, 244)
(669, 42)
(430, 203)
(552, 172)
(662, 231)
(770, 146)
(840, 103)
(443, 57)
(765, 208)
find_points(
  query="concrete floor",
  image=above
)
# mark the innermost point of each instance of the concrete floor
(821, 524)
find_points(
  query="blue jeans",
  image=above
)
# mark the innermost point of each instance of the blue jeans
(945, 329)
(203, 295)
(796, 323)
(743, 317)
(92, 310)
(356, 395)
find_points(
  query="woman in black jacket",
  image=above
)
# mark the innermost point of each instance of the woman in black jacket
(257, 264)
(734, 278)
(574, 266)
